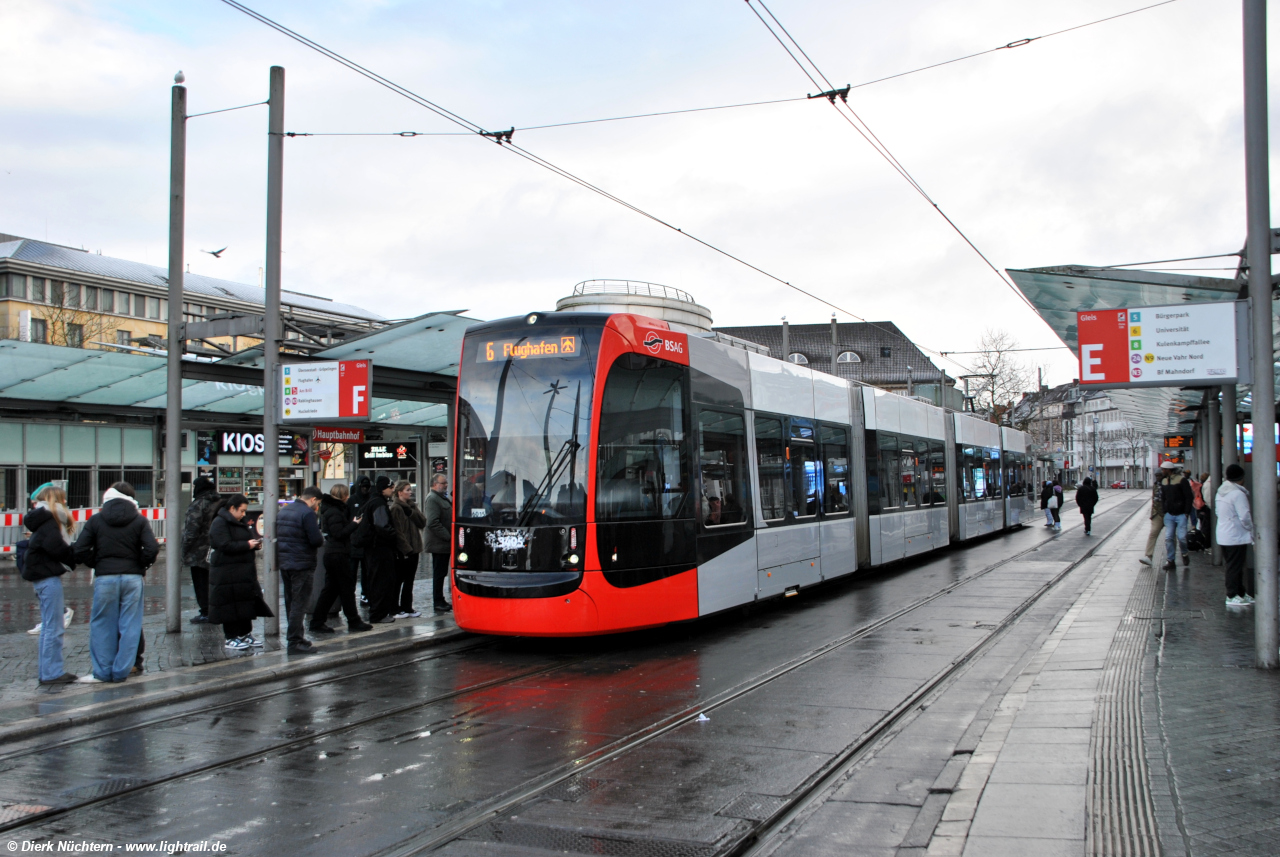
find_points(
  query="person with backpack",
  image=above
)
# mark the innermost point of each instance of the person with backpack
(1086, 500)
(1046, 494)
(235, 596)
(119, 546)
(361, 494)
(339, 580)
(376, 536)
(49, 555)
(1178, 501)
(1235, 534)
(205, 500)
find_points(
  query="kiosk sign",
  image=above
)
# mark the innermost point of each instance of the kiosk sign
(335, 389)
(1164, 346)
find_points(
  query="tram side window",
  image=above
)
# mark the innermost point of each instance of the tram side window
(912, 472)
(722, 460)
(966, 490)
(806, 472)
(890, 471)
(937, 473)
(835, 460)
(995, 475)
(1014, 478)
(642, 462)
(771, 454)
(874, 477)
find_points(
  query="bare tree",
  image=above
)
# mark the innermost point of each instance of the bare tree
(70, 326)
(999, 378)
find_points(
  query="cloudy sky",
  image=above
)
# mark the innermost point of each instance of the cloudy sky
(1120, 142)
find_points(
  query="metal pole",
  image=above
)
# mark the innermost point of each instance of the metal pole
(271, 346)
(173, 361)
(1230, 448)
(1214, 455)
(835, 339)
(786, 339)
(1266, 642)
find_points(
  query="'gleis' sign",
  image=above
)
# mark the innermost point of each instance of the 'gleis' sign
(1164, 346)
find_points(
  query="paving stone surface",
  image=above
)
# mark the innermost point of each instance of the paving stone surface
(1218, 720)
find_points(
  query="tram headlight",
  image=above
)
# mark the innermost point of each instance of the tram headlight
(462, 557)
(573, 559)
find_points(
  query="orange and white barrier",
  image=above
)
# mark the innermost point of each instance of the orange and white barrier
(14, 519)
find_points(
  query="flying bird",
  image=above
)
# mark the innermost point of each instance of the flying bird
(217, 254)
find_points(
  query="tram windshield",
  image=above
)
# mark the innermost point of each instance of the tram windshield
(524, 422)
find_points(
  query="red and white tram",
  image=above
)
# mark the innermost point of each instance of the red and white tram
(614, 474)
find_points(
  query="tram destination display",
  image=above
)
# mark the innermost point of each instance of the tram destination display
(527, 348)
(1164, 346)
(333, 389)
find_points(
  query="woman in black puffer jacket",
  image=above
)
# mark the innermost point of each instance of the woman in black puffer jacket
(235, 598)
(49, 556)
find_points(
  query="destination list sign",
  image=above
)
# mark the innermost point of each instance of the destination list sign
(1157, 346)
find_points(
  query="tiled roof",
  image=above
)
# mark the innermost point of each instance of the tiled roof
(866, 339)
(67, 259)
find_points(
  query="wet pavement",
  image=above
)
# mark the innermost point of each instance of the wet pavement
(847, 707)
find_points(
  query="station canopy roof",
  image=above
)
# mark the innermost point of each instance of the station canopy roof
(100, 378)
(1060, 291)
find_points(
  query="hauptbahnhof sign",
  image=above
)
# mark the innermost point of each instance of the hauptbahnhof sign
(1190, 344)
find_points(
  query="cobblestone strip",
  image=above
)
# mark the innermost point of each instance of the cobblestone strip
(951, 834)
(1121, 811)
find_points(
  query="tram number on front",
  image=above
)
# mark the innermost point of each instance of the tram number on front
(525, 349)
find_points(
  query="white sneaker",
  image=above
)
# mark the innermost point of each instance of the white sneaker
(235, 644)
(1145, 560)
(67, 617)
(1236, 601)
(1248, 599)
(400, 616)
(252, 641)
(89, 679)
(36, 629)
(412, 614)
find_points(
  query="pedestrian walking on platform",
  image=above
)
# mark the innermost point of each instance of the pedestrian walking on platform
(1157, 525)
(1235, 534)
(195, 540)
(362, 494)
(408, 521)
(1178, 502)
(377, 537)
(339, 580)
(1046, 494)
(49, 555)
(119, 545)
(439, 519)
(1086, 500)
(235, 596)
(297, 538)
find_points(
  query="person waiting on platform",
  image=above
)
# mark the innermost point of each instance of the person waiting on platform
(297, 538)
(408, 521)
(235, 597)
(439, 518)
(339, 578)
(205, 501)
(49, 555)
(1179, 502)
(1235, 534)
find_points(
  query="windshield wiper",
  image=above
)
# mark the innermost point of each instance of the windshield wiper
(566, 454)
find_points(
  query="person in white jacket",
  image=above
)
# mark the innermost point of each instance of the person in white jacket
(1235, 533)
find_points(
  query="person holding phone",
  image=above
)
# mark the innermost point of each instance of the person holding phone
(235, 597)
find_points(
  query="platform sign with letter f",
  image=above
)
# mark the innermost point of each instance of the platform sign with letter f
(353, 388)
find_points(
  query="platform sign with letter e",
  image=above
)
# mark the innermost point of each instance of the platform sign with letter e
(1189, 344)
(331, 390)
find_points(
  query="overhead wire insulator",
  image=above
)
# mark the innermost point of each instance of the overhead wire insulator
(832, 94)
(500, 137)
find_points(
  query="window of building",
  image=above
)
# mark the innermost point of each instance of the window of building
(722, 462)
(37, 289)
(153, 308)
(886, 351)
(71, 294)
(124, 337)
(18, 286)
(797, 358)
(848, 357)
(90, 298)
(835, 460)
(108, 302)
(771, 455)
(139, 306)
(75, 335)
(57, 293)
(39, 330)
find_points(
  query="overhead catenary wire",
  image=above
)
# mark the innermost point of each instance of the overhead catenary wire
(876, 143)
(225, 110)
(535, 159)
(1236, 254)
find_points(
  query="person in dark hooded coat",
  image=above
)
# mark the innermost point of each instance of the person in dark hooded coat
(119, 545)
(359, 498)
(205, 500)
(1086, 500)
(235, 597)
(339, 583)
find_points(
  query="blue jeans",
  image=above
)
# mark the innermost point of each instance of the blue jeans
(49, 591)
(1174, 525)
(115, 625)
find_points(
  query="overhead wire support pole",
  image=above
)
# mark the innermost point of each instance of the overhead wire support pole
(271, 348)
(173, 361)
(1266, 641)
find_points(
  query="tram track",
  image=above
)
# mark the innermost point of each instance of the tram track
(538, 785)
(818, 782)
